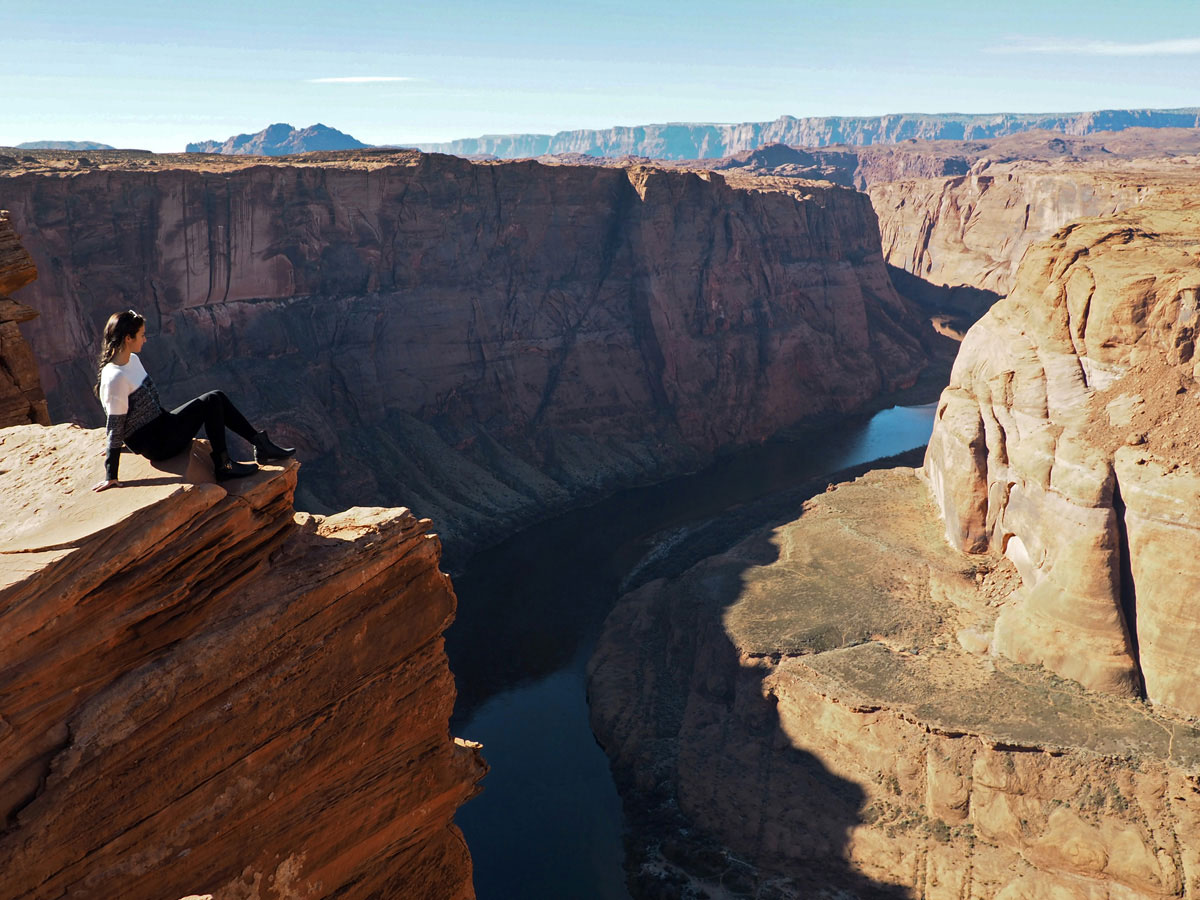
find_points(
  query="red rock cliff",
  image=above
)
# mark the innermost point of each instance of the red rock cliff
(203, 692)
(21, 397)
(973, 229)
(1065, 440)
(483, 342)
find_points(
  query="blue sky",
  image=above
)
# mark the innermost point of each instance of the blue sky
(138, 74)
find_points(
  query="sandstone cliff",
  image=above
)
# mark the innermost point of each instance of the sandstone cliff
(813, 713)
(848, 703)
(21, 397)
(205, 693)
(682, 140)
(973, 229)
(484, 343)
(1066, 441)
(866, 166)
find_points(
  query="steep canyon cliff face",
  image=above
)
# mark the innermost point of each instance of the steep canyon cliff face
(685, 140)
(971, 680)
(814, 713)
(973, 229)
(203, 692)
(1066, 441)
(21, 398)
(484, 343)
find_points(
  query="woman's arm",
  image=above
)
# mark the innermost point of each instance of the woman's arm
(115, 434)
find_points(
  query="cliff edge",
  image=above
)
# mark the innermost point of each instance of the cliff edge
(486, 343)
(204, 692)
(1065, 441)
(971, 680)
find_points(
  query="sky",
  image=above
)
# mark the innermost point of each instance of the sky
(152, 76)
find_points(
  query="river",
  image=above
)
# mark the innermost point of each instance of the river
(548, 823)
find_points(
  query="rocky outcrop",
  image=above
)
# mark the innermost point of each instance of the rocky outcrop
(682, 140)
(485, 343)
(850, 704)
(280, 139)
(973, 229)
(1065, 441)
(813, 713)
(205, 693)
(21, 398)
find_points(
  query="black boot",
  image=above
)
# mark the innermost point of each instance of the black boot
(225, 468)
(265, 449)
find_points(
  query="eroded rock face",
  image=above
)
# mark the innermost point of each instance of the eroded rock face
(22, 401)
(818, 701)
(484, 343)
(1066, 441)
(684, 140)
(973, 229)
(205, 693)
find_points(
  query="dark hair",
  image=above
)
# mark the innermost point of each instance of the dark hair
(120, 326)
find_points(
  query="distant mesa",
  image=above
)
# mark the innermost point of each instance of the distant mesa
(280, 139)
(691, 140)
(64, 145)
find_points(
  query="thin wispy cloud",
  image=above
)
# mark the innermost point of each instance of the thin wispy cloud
(1175, 47)
(360, 79)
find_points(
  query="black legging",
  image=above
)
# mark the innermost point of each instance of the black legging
(172, 432)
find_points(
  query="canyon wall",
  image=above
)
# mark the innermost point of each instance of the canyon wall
(972, 680)
(483, 343)
(814, 713)
(203, 692)
(683, 140)
(1066, 441)
(973, 229)
(21, 398)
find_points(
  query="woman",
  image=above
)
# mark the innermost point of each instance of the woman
(136, 419)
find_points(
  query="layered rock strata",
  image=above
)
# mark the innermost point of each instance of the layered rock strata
(973, 229)
(851, 704)
(22, 401)
(205, 693)
(484, 343)
(685, 140)
(1066, 441)
(813, 713)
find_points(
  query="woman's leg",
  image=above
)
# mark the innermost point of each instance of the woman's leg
(216, 413)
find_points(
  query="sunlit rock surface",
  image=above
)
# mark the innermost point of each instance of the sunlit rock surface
(203, 692)
(973, 229)
(482, 343)
(971, 680)
(814, 713)
(1066, 440)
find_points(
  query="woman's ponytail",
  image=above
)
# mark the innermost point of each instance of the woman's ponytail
(120, 326)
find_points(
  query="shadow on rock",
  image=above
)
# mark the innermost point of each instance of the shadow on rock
(719, 800)
(951, 308)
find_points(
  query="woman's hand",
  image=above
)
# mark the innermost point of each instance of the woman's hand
(105, 485)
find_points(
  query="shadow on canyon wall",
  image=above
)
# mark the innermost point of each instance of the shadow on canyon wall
(957, 306)
(714, 791)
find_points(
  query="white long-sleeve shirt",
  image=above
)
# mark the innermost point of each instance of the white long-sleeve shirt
(130, 401)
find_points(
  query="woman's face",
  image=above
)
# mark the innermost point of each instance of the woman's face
(135, 343)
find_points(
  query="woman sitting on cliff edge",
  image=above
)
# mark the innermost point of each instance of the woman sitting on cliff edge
(137, 420)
